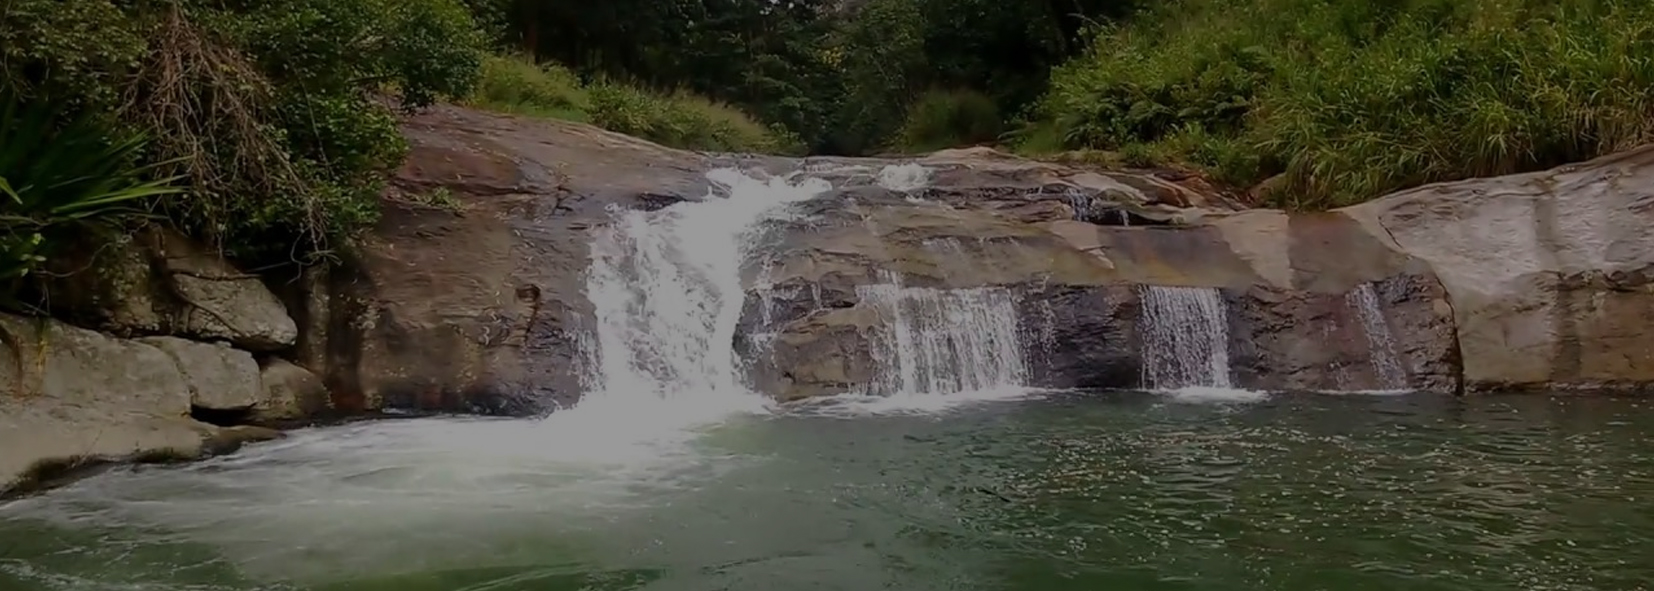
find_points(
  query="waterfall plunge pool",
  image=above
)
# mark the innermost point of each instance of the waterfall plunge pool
(1101, 490)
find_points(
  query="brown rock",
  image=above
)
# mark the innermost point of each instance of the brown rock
(1547, 273)
(70, 396)
(477, 310)
(158, 282)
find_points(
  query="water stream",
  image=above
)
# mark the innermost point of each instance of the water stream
(1185, 332)
(1381, 346)
(946, 341)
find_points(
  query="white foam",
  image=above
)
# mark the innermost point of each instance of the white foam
(1208, 394)
(860, 404)
(904, 177)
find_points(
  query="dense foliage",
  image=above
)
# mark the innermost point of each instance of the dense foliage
(270, 113)
(1346, 100)
(269, 126)
(840, 75)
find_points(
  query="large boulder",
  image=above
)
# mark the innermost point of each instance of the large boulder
(158, 282)
(218, 377)
(291, 393)
(1549, 274)
(72, 397)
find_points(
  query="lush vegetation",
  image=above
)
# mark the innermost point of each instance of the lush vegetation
(263, 126)
(681, 118)
(269, 127)
(1344, 100)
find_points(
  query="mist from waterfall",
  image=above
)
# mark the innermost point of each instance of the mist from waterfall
(1185, 335)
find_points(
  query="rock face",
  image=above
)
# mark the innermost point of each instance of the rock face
(1479, 284)
(1550, 275)
(217, 376)
(477, 310)
(1300, 295)
(159, 283)
(73, 396)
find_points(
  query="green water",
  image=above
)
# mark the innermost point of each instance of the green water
(1096, 491)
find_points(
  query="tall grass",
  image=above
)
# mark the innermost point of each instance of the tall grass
(678, 119)
(1351, 99)
(949, 118)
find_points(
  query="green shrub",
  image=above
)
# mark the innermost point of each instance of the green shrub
(682, 120)
(274, 111)
(947, 119)
(58, 175)
(1352, 99)
(516, 84)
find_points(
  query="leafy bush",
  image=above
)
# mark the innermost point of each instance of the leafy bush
(1352, 99)
(516, 84)
(55, 178)
(681, 119)
(946, 119)
(272, 110)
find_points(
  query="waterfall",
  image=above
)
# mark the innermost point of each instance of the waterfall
(943, 341)
(667, 295)
(1381, 346)
(1185, 333)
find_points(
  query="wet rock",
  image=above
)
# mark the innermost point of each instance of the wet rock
(217, 376)
(480, 309)
(72, 397)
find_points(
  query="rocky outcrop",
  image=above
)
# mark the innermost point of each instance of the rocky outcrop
(73, 397)
(1293, 288)
(157, 282)
(1550, 275)
(482, 309)
(161, 350)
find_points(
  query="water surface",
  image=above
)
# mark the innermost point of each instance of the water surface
(1063, 491)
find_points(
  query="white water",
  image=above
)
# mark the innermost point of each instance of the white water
(666, 288)
(942, 341)
(1381, 345)
(1185, 334)
(904, 177)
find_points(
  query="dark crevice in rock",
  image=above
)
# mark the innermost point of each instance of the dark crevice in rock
(222, 417)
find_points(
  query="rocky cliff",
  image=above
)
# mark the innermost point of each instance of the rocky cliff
(1479, 285)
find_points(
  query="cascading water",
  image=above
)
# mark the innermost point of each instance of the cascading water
(1185, 338)
(1381, 346)
(904, 178)
(666, 288)
(944, 341)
